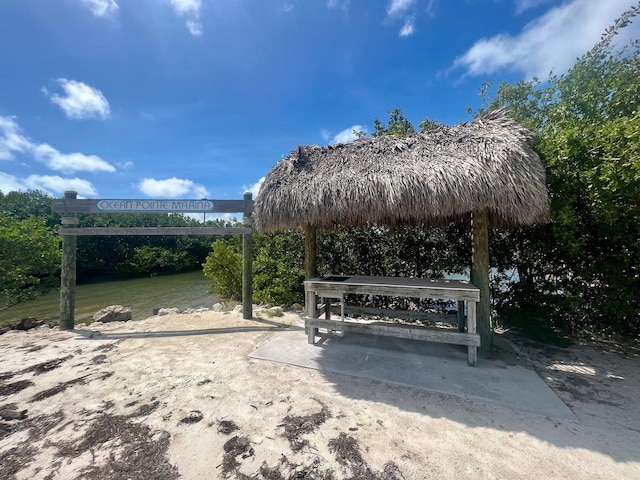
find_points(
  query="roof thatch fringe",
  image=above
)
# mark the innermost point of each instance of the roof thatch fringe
(428, 178)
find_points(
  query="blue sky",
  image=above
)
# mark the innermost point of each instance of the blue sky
(200, 98)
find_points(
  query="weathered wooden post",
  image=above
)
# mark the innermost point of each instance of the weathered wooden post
(247, 264)
(310, 267)
(310, 252)
(68, 272)
(480, 278)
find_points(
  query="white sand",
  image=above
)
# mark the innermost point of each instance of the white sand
(198, 362)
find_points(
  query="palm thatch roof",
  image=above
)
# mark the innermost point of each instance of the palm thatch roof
(430, 178)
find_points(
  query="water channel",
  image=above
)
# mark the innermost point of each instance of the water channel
(142, 295)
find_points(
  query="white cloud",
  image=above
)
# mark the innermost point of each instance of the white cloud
(56, 184)
(187, 7)
(49, 184)
(101, 8)
(255, 188)
(326, 134)
(172, 187)
(81, 100)
(9, 183)
(190, 9)
(399, 7)
(408, 28)
(195, 28)
(552, 42)
(13, 141)
(348, 135)
(406, 9)
(70, 162)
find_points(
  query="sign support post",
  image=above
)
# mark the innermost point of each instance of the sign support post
(68, 270)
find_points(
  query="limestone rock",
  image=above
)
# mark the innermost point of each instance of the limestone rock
(217, 307)
(168, 311)
(113, 313)
(28, 323)
(296, 307)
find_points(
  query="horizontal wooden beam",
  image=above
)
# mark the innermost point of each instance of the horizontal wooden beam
(394, 313)
(66, 205)
(336, 287)
(401, 331)
(153, 231)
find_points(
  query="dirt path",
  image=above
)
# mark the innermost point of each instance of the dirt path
(176, 397)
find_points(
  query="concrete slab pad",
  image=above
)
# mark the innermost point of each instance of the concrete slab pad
(430, 366)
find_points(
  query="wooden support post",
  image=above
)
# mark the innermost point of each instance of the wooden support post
(471, 330)
(461, 323)
(311, 306)
(310, 253)
(311, 271)
(480, 278)
(68, 271)
(247, 265)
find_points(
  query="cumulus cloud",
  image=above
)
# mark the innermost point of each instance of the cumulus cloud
(101, 8)
(80, 101)
(56, 184)
(51, 184)
(70, 162)
(551, 42)
(10, 183)
(13, 141)
(348, 135)
(172, 188)
(190, 9)
(255, 188)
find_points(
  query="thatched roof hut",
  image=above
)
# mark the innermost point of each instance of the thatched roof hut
(485, 171)
(436, 177)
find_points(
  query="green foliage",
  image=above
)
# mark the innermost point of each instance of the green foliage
(33, 203)
(582, 271)
(398, 125)
(158, 260)
(403, 252)
(279, 267)
(127, 256)
(224, 266)
(29, 258)
(427, 124)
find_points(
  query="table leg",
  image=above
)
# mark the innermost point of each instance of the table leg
(312, 309)
(471, 328)
(461, 316)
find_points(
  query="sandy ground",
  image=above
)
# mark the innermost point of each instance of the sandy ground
(176, 397)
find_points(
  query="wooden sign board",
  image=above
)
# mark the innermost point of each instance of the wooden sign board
(73, 205)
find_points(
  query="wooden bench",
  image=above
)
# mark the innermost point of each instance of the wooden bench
(338, 287)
